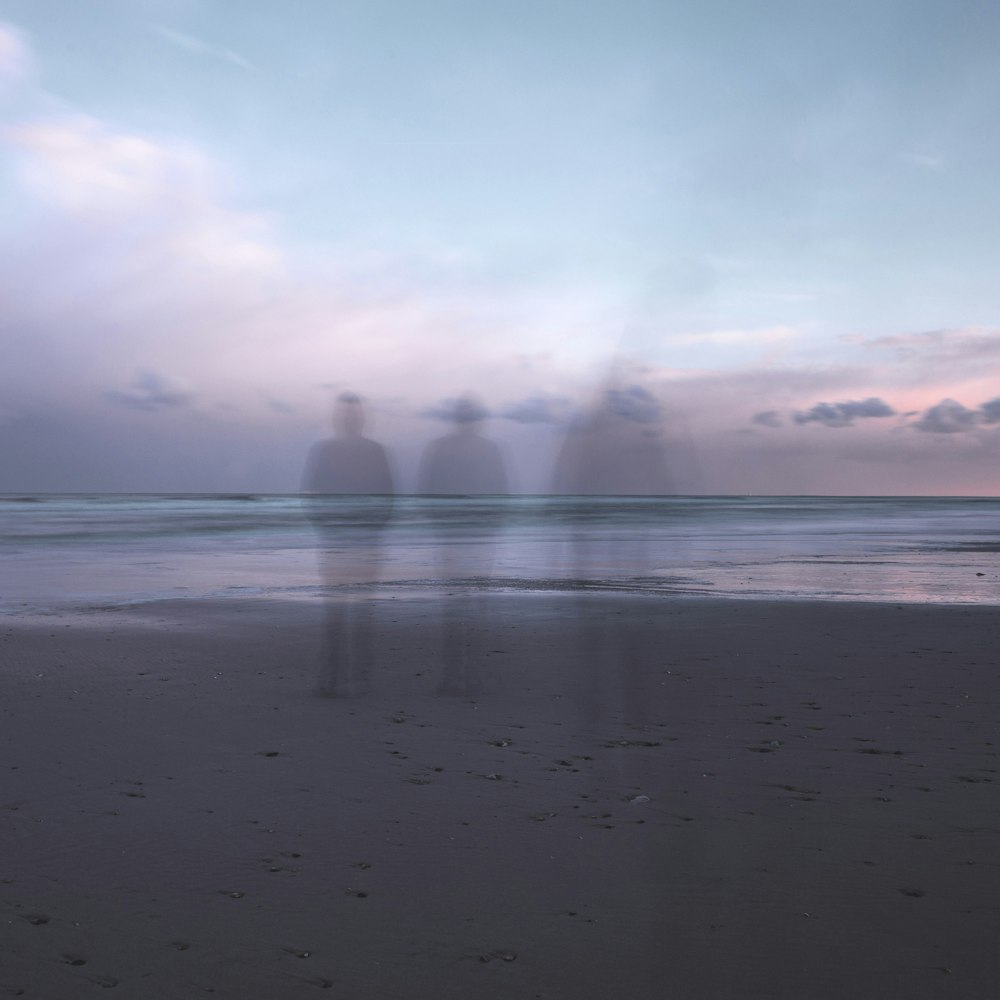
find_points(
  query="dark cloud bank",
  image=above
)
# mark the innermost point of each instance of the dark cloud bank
(951, 417)
(844, 414)
(947, 417)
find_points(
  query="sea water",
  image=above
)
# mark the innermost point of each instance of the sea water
(101, 550)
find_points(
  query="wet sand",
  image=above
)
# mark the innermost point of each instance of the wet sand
(651, 798)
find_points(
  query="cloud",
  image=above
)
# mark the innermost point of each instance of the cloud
(457, 410)
(17, 65)
(939, 346)
(990, 412)
(951, 417)
(151, 391)
(768, 418)
(760, 337)
(535, 410)
(844, 414)
(201, 48)
(947, 417)
(76, 163)
(636, 404)
(161, 195)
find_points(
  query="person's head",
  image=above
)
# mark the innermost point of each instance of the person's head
(468, 412)
(348, 414)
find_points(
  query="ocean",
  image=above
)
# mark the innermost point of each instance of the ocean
(105, 550)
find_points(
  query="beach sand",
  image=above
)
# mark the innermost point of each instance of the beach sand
(652, 798)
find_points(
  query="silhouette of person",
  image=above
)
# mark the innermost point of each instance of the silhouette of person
(463, 468)
(463, 463)
(350, 491)
(615, 449)
(612, 451)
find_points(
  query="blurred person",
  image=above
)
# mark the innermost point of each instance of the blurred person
(614, 450)
(463, 462)
(463, 469)
(349, 484)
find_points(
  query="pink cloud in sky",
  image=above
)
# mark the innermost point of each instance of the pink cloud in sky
(164, 195)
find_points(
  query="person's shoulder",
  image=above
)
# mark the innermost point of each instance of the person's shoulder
(437, 450)
(318, 455)
(372, 447)
(323, 446)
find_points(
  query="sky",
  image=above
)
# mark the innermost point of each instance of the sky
(772, 222)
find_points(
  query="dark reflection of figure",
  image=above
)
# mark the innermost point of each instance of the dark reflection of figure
(463, 467)
(613, 451)
(350, 491)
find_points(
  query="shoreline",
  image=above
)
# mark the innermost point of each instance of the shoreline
(431, 591)
(706, 796)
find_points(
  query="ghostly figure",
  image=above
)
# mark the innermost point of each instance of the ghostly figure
(463, 469)
(463, 463)
(614, 451)
(349, 486)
